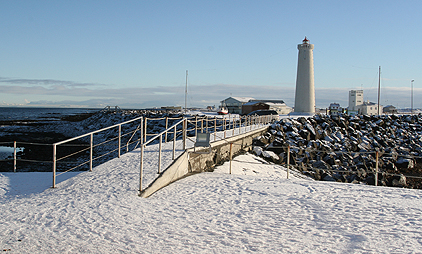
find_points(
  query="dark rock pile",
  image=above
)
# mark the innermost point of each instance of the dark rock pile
(343, 148)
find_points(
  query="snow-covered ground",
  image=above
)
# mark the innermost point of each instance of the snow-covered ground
(255, 209)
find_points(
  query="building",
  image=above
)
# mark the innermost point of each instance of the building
(358, 106)
(334, 109)
(390, 109)
(252, 106)
(355, 100)
(305, 88)
(234, 104)
(369, 108)
(277, 105)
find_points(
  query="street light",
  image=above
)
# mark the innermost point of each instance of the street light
(411, 97)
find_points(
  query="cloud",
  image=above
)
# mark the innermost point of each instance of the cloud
(46, 82)
(70, 94)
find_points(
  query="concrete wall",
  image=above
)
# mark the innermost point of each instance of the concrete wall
(177, 170)
(201, 161)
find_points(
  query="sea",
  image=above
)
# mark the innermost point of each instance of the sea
(8, 114)
(39, 114)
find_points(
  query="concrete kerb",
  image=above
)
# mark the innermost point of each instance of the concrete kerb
(200, 161)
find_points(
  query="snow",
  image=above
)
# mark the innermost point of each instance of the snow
(254, 209)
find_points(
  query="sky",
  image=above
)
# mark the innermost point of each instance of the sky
(135, 54)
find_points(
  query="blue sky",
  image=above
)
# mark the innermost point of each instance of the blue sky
(135, 54)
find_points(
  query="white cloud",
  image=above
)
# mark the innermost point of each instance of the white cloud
(65, 93)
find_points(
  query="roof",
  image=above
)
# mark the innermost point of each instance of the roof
(276, 104)
(271, 101)
(368, 103)
(254, 102)
(240, 99)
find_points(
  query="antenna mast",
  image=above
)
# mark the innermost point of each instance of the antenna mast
(379, 85)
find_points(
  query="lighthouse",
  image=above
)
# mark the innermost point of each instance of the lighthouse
(305, 90)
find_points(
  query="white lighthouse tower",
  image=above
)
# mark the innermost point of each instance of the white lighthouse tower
(305, 89)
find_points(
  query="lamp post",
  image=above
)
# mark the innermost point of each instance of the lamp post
(411, 97)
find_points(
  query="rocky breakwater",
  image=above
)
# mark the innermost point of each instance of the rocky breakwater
(343, 148)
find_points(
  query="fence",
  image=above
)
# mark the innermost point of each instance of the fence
(221, 127)
(81, 152)
(375, 158)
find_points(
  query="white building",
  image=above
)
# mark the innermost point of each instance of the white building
(281, 108)
(234, 104)
(369, 108)
(305, 89)
(358, 106)
(355, 100)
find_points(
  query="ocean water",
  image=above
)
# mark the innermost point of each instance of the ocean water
(39, 114)
(31, 114)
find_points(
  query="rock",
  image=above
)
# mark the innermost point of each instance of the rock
(305, 134)
(405, 163)
(257, 150)
(394, 137)
(400, 182)
(270, 155)
(328, 178)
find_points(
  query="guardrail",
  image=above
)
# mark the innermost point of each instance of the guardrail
(81, 152)
(221, 127)
(91, 146)
(141, 132)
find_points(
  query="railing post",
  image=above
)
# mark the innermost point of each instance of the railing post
(206, 124)
(231, 157)
(240, 124)
(196, 126)
(167, 122)
(249, 122)
(120, 140)
(215, 128)
(145, 130)
(54, 165)
(141, 167)
(174, 143)
(224, 124)
(142, 131)
(14, 156)
(159, 154)
(184, 132)
(202, 125)
(233, 125)
(288, 161)
(141, 159)
(91, 151)
(376, 168)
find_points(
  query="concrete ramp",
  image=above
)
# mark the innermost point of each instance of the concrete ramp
(203, 161)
